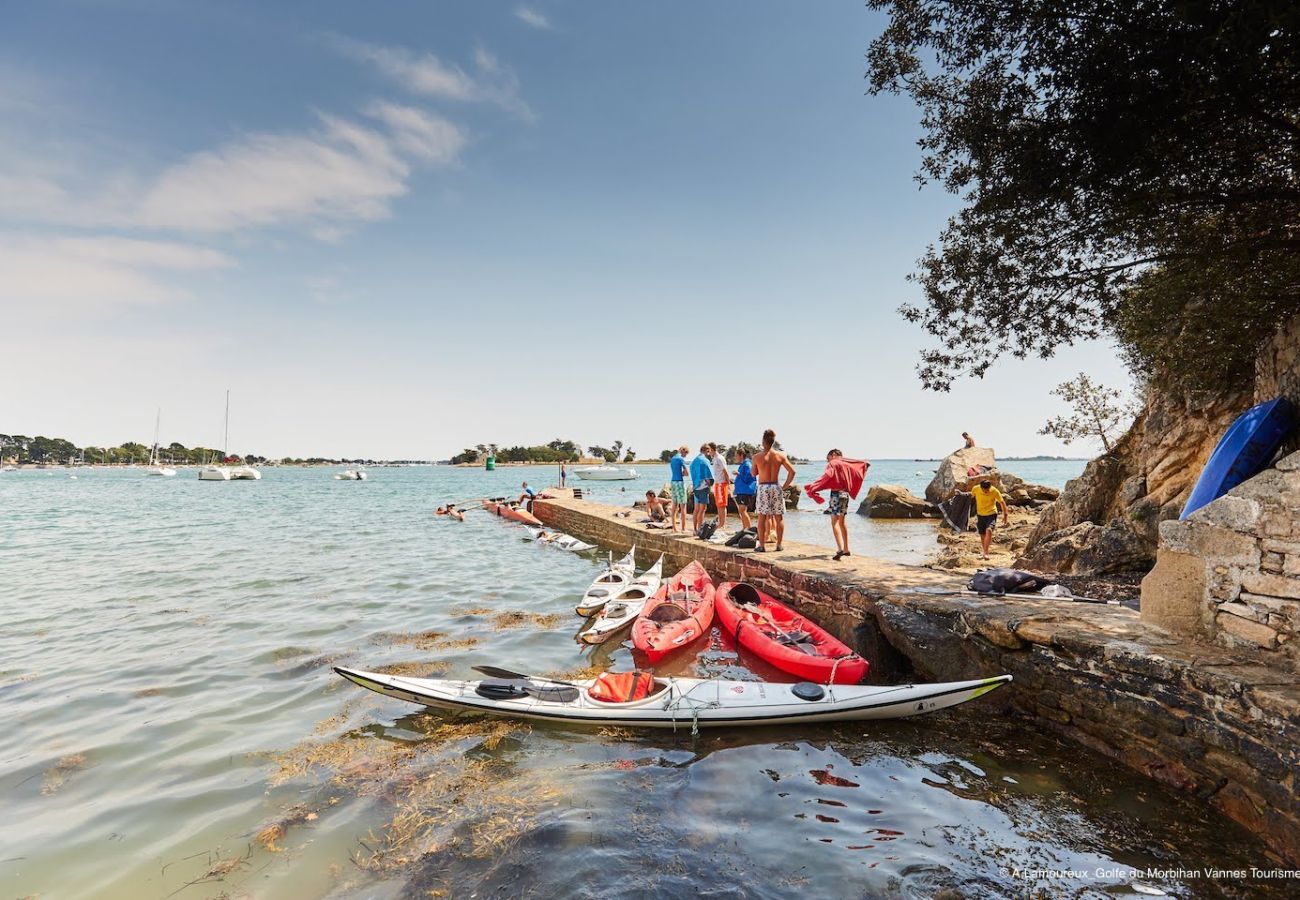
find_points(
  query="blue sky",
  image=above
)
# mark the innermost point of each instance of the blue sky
(399, 228)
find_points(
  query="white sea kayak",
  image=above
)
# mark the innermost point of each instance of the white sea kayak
(624, 605)
(563, 541)
(679, 702)
(617, 576)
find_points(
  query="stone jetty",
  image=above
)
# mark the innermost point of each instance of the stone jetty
(1205, 715)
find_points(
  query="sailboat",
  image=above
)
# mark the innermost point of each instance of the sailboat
(154, 467)
(228, 473)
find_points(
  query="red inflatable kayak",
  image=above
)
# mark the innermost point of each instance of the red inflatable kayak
(680, 612)
(513, 511)
(784, 638)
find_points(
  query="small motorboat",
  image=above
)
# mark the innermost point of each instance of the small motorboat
(677, 615)
(674, 702)
(776, 633)
(350, 475)
(624, 605)
(615, 577)
(606, 473)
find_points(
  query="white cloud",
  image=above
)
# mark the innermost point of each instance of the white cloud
(425, 74)
(422, 134)
(86, 274)
(532, 18)
(346, 173)
(325, 180)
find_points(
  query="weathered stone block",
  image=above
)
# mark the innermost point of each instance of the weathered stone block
(1239, 609)
(1290, 563)
(1253, 632)
(1174, 592)
(1275, 562)
(1272, 585)
(1236, 513)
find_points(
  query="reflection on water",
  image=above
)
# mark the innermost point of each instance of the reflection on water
(166, 656)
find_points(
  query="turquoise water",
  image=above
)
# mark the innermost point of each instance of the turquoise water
(165, 675)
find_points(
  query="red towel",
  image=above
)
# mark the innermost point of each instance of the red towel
(842, 474)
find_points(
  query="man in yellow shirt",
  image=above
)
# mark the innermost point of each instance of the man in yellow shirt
(987, 500)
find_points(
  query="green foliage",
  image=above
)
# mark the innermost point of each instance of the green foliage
(1125, 168)
(1096, 412)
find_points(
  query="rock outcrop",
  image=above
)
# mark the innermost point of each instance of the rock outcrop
(951, 473)
(1147, 476)
(893, 501)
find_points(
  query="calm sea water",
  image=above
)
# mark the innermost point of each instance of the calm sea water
(174, 728)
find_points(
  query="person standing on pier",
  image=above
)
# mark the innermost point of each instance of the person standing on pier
(770, 500)
(677, 486)
(721, 484)
(744, 486)
(563, 473)
(702, 482)
(843, 478)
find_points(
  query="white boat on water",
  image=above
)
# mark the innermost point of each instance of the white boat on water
(624, 605)
(350, 475)
(154, 467)
(228, 473)
(676, 702)
(606, 473)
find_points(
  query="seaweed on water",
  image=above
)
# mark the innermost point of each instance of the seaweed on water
(517, 619)
(426, 669)
(424, 640)
(471, 611)
(269, 837)
(57, 774)
(578, 673)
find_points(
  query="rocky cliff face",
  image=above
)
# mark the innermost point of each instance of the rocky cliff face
(1108, 519)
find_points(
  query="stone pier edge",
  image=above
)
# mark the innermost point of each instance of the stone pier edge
(1208, 721)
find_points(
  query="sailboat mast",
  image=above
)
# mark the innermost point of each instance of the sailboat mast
(157, 422)
(225, 437)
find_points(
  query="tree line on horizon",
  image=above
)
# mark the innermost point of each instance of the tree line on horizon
(41, 449)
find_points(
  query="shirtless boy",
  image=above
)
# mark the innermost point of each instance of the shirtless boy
(770, 502)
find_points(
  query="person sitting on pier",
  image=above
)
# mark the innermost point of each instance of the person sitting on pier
(655, 507)
(527, 497)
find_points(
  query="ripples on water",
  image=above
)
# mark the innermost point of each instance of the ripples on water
(175, 728)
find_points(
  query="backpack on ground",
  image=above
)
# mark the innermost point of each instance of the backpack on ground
(707, 529)
(1006, 581)
(745, 540)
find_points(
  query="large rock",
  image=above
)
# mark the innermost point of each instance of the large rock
(1089, 549)
(893, 501)
(1019, 492)
(951, 473)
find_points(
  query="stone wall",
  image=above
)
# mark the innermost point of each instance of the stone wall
(1204, 719)
(1231, 570)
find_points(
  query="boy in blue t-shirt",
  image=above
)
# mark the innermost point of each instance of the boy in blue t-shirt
(744, 486)
(677, 485)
